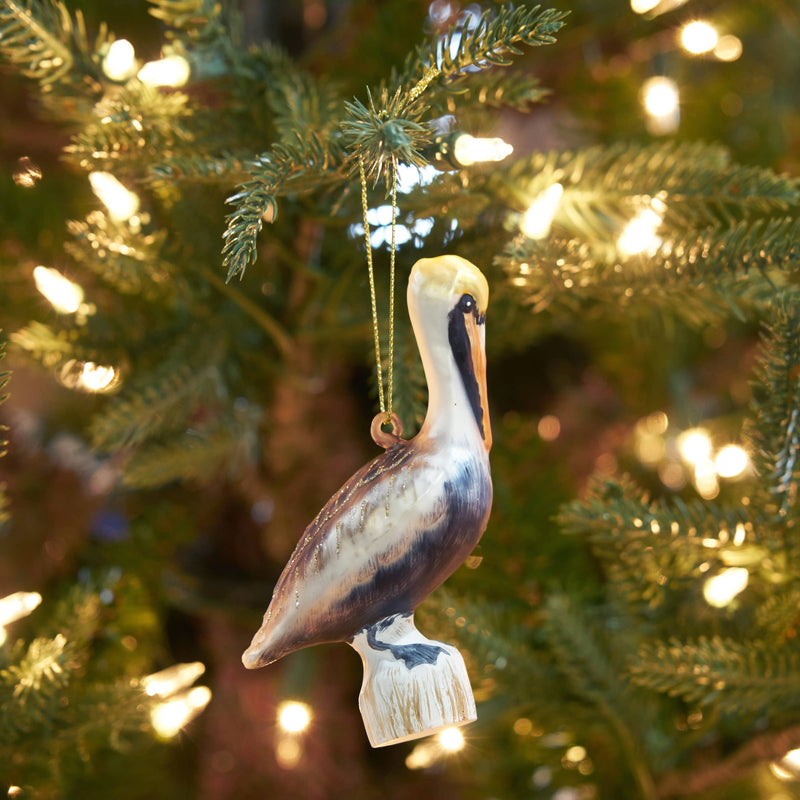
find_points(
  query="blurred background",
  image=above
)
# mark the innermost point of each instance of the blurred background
(167, 556)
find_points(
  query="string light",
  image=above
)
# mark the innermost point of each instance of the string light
(87, 376)
(655, 7)
(451, 740)
(639, 235)
(427, 753)
(705, 479)
(788, 768)
(720, 590)
(96, 378)
(694, 445)
(27, 173)
(16, 606)
(549, 428)
(169, 71)
(728, 48)
(64, 295)
(170, 716)
(468, 150)
(121, 203)
(661, 100)
(643, 6)
(173, 679)
(294, 716)
(731, 461)
(699, 37)
(119, 63)
(537, 220)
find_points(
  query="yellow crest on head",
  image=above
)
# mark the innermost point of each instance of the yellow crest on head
(450, 277)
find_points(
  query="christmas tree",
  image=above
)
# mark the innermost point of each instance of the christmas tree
(190, 373)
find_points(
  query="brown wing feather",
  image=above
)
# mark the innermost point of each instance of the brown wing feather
(272, 641)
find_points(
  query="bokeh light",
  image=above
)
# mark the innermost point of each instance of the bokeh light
(293, 716)
(468, 150)
(699, 37)
(119, 63)
(536, 222)
(169, 71)
(720, 589)
(64, 295)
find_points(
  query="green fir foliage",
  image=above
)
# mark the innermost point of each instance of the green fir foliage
(585, 626)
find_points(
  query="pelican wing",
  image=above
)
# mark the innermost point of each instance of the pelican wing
(346, 570)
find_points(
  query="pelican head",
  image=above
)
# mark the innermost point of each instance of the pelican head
(447, 301)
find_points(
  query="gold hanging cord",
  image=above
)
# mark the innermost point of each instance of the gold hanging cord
(386, 416)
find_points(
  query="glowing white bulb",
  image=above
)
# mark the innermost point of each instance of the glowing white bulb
(18, 605)
(121, 203)
(699, 37)
(731, 461)
(171, 715)
(64, 295)
(695, 445)
(661, 100)
(639, 235)
(169, 71)
(293, 716)
(96, 378)
(575, 754)
(536, 221)
(720, 590)
(451, 740)
(468, 150)
(643, 6)
(705, 479)
(788, 768)
(172, 679)
(120, 61)
(728, 48)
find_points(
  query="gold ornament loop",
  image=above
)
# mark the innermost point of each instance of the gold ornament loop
(385, 404)
(382, 438)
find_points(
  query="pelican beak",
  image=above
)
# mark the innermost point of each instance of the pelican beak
(476, 333)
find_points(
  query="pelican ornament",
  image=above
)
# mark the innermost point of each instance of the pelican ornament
(400, 527)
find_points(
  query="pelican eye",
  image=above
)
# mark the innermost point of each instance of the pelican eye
(466, 303)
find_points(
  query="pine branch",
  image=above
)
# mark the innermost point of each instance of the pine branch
(732, 675)
(568, 273)
(707, 775)
(131, 263)
(133, 125)
(194, 167)
(32, 38)
(197, 455)
(481, 627)
(605, 187)
(47, 43)
(775, 429)
(650, 550)
(778, 616)
(192, 17)
(496, 37)
(185, 378)
(284, 168)
(51, 348)
(579, 656)
(592, 675)
(494, 89)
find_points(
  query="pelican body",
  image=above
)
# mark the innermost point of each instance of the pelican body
(401, 526)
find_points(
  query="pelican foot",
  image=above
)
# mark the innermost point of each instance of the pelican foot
(408, 691)
(412, 655)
